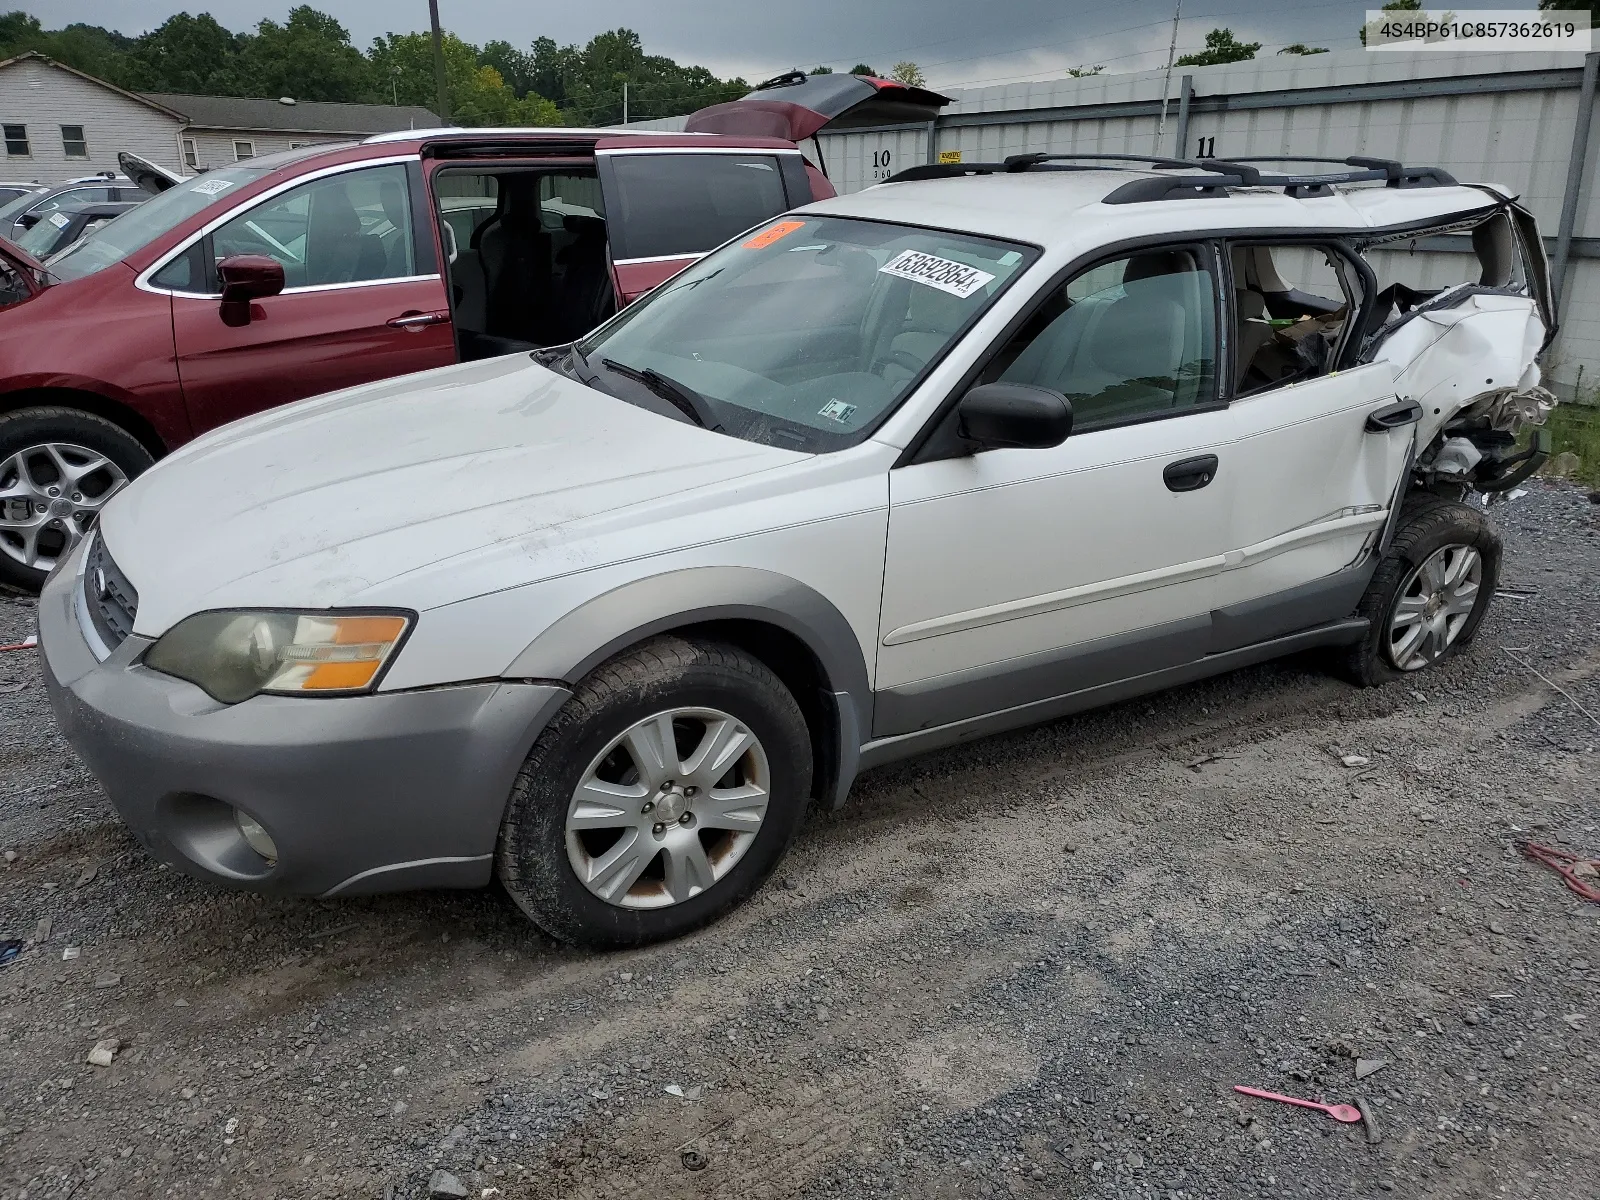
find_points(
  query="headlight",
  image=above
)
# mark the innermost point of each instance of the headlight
(235, 655)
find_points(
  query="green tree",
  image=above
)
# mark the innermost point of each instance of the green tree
(1574, 6)
(515, 66)
(863, 69)
(1400, 6)
(1084, 72)
(909, 74)
(657, 86)
(187, 54)
(1221, 47)
(402, 66)
(308, 57)
(820, 71)
(552, 66)
(1302, 48)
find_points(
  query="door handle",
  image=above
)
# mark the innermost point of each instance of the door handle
(417, 320)
(1190, 474)
(1394, 416)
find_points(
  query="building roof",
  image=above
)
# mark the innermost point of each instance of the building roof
(305, 116)
(147, 101)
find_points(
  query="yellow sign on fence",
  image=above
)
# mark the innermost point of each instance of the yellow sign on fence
(949, 156)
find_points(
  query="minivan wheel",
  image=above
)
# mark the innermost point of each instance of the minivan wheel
(1430, 592)
(661, 795)
(58, 467)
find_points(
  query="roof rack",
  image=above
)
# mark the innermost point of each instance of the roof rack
(1174, 187)
(1218, 174)
(1022, 162)
(1394, 174)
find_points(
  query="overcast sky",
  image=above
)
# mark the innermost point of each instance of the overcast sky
(957, 42)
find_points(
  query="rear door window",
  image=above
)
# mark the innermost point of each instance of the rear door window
(681, 204)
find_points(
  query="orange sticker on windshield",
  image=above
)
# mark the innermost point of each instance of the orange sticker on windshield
(772, 233)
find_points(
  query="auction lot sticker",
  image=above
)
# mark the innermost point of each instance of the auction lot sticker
(945, 274)
(771, 234)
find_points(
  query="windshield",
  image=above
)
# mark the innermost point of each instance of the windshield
(140, 226)
(808, 333)
(38, 240)
(17, 207)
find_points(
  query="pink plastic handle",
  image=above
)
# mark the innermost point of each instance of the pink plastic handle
(1347, 1113)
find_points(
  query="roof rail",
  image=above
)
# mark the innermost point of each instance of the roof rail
(1021, 162)
(1394, 174)
(1216, 175)
(943, 171)
(1173, 187)
(1017, 163)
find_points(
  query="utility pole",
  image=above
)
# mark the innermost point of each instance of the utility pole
(624, 101)
(438, 63)
(1166, 82)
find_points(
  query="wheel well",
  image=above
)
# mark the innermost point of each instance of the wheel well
(89, 402)
(792, 661)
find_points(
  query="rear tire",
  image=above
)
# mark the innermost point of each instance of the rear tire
(1430, 592)
(58, 467)
(607, 843)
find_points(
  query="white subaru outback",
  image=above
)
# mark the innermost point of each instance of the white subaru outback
(968, 450)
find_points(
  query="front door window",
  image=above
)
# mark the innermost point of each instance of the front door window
(1129, 339)
(353, 227)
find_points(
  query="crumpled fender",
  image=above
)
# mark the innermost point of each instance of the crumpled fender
(1461, 348)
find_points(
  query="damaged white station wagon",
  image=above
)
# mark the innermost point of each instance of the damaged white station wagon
(972, 449)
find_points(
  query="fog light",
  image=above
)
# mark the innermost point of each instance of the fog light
(256, 836)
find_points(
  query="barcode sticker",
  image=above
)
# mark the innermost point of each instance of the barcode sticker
(945, 274)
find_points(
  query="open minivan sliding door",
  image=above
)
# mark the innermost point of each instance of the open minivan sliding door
(669, 202)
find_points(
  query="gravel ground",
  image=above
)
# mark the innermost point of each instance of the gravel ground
(1030, 967)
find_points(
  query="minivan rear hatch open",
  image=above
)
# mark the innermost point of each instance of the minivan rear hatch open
(150, 176)
(797, 106)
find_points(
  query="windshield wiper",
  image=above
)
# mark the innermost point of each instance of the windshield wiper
(685, 399)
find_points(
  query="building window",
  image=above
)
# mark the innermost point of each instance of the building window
(73, 141)
(191, 154)
(243, 150)
(16, 140)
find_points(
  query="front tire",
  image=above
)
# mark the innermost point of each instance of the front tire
(1430, 592)
(58, 467)
(661, 795)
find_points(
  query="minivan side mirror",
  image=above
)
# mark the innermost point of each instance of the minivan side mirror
(1015, 416)
(247, 277)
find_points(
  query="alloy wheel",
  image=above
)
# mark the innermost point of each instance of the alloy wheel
(668, 808)
(1433, 607)
(50, 495)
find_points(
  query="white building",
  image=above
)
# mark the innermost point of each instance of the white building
(58, 122)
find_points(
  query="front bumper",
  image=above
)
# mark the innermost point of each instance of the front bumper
(359, 793)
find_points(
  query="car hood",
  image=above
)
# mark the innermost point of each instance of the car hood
(380, 494)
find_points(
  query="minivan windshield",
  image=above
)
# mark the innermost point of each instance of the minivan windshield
(140, 226)
(805, 334)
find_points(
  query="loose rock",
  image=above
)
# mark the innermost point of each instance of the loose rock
(104, 1051)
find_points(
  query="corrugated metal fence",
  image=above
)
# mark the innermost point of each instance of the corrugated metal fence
(1501, 118)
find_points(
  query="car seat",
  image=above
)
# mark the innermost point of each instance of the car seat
(585, 296)
(514, 250)
(397, 245)
(333, 237)
(1144, 348)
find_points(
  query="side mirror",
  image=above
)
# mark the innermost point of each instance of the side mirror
(1014, 415)
(247, 277)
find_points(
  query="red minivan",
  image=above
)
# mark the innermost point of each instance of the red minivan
(320, 268)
